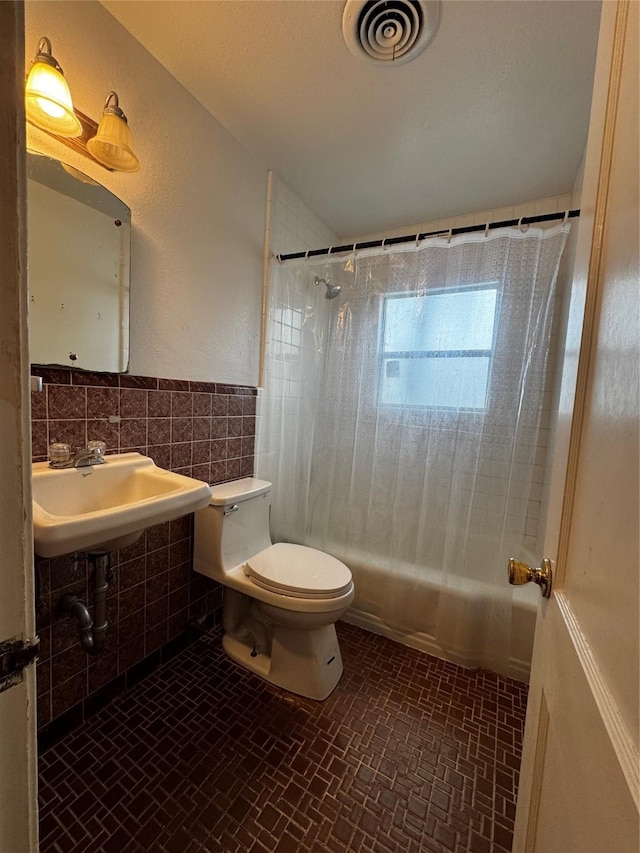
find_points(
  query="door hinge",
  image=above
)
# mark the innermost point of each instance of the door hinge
(14, 656)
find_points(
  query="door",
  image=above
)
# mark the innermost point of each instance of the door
(18, 778)
(579, 788)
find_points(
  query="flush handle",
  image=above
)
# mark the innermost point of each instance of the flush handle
(229, 509)
(520, 573)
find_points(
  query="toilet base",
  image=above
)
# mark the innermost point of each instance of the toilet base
(307, 663)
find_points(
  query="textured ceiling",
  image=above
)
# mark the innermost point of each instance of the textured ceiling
(495, 111)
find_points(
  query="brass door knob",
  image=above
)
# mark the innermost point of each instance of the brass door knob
(520, 573)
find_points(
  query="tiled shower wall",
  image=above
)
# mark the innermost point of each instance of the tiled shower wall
(294, 227)
(203, 430)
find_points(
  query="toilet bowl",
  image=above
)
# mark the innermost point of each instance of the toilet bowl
(281, 601)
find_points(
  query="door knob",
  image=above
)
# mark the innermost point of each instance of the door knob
(520, 573)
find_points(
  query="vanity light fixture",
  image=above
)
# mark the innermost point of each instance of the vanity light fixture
(47, 97)
(48, 106)
(111, 145)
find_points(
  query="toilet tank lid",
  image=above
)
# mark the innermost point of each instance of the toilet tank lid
(238, 490)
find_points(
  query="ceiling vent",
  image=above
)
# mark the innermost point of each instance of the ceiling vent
(393, 31)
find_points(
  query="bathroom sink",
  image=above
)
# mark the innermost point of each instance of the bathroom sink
(104, 507)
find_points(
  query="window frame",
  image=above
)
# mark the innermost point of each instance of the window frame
(384, 355)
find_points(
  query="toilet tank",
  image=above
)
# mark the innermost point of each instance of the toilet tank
(234, 526)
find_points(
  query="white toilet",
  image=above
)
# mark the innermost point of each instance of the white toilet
(281, 601)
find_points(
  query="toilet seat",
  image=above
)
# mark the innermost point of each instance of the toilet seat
(298, 571)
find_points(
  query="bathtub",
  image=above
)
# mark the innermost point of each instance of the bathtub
(403, 605)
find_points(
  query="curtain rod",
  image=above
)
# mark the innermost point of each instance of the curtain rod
(409, 238)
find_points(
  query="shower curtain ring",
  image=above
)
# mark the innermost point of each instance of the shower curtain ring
(355, 248)
(278, 258)
(566, 216)
(486, 230)
(384, 248)
(417, 239)
(329, 250)
(450, 235)
(524, 228)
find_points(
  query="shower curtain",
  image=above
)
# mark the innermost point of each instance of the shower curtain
(400, 424)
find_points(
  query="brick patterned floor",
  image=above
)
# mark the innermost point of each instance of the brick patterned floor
(409, 753)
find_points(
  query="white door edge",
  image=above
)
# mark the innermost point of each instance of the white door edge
(621, 738)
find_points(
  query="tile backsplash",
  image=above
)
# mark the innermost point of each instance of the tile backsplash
(200, 429)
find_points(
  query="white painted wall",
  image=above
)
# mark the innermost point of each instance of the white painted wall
(197, 202)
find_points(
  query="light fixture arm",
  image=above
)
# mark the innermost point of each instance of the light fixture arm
(113, 109)
(43, 54)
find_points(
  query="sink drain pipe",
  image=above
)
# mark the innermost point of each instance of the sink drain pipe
(92, 635)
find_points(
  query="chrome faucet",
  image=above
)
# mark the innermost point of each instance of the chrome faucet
(60, 455)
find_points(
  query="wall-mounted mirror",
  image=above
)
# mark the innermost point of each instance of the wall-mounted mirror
(78, 241)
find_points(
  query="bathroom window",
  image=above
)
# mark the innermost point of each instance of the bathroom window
(437, 348)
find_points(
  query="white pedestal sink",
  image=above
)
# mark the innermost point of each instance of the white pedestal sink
(104, 507)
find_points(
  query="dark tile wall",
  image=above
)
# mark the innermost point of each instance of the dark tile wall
(204, 430)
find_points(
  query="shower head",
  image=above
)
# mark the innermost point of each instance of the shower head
(332, 289)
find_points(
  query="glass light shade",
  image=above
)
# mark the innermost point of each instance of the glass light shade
(111, 145)
(48, 101)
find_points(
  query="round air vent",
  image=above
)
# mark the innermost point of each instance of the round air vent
(389, 30)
